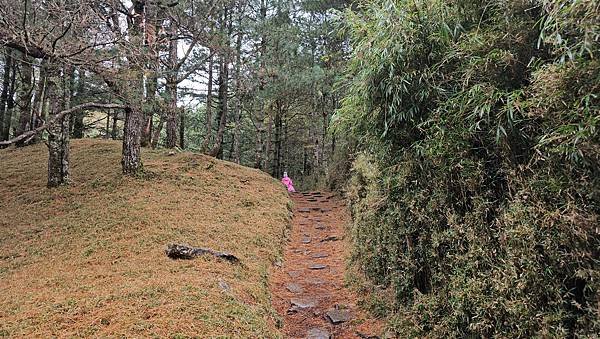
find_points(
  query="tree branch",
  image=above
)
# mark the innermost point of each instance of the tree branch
(56, 117)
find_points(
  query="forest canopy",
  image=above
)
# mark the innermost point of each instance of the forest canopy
(247, 81)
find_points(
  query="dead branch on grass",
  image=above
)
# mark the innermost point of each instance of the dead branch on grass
(175, 251)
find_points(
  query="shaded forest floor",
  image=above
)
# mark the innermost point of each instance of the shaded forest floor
(309, 290)
(88, 260)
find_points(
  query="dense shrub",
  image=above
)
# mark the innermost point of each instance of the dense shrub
(476, 187)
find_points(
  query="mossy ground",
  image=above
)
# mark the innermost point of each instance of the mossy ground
(88, 259)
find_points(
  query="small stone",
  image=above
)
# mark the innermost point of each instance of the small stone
(325, 210)
(330, 238)
(337, 316)
(306, 240)
(303, 303)
(317, 266)
(317, 333)
(294, 274)
(223, 285)
(316, 281)
(319, 255)
(320, 227)
(304, 210)
(294, 288)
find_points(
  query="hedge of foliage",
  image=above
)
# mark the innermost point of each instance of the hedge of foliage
(476, 189)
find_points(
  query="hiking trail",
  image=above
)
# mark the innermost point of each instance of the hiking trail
(308, 289)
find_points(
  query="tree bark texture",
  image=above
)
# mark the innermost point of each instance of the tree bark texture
(39, 100)
(223, 106)
(78, 126)
(208, 122)
(5, 88)
(237, 102)
(132, 162)
(58, 131)
(171, 79)
(10, 102)
(24, 93)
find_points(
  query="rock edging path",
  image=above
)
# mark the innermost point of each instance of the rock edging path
(308, 289)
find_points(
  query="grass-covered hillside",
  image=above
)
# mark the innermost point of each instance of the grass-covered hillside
(89, 260)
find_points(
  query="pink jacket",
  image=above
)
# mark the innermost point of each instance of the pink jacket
(289, 184)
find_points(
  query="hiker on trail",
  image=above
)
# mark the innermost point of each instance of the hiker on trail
(287, 181)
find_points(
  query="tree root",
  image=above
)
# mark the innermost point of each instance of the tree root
(175, 251)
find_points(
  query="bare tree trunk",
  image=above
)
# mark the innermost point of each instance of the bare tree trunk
(25, 90)
(258, 150)
(335, 107)
(70, 81)
(333, 143)
(182, 129)
(39, 99)
(146, 138)
(277, 150)
(10, 102)
(115, 129)
(237, 102)
(107, 127)
(157, 131)
(5, 86)
(314, 132)
(172, 113)
(149, 137)
(223, 94)
(209, 117)
(131, 161)
(260, 160)
(237, 134)
(58, 132)
(305, 164)
(267, 155)
(152, 27)
(78, 117)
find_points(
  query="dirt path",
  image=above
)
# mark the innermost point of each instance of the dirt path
(308, 290)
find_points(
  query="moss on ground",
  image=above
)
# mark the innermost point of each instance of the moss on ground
(88, 259)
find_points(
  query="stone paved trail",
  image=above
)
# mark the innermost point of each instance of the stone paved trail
(308, 290)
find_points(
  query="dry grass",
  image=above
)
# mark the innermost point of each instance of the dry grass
(88, 260)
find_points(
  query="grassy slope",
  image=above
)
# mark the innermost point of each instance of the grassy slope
(88, 260)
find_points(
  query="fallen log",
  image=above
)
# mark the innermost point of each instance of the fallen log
(175, 251)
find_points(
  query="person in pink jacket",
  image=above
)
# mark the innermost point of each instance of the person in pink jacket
(287, 181)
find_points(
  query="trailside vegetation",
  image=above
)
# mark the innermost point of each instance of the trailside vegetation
(475, 185)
